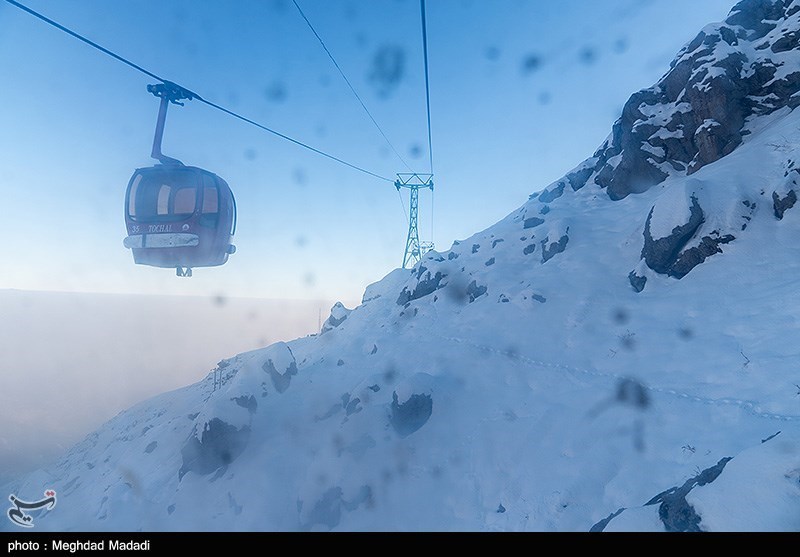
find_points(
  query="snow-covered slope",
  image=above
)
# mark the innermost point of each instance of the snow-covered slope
(596, 360)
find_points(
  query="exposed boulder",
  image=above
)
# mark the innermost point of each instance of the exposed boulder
(280, 365)
(475, 291)
(674, 511)
(338, 316)
(551, 248)
(661, 254)
(218, 445)
(427, 283)
(638, 282)
(533, 222)
(412, 404)
(782, 204)
(694, 256)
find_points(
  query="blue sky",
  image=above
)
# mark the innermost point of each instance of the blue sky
(521, 92)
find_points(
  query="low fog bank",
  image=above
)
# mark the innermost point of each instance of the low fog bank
(71, 361)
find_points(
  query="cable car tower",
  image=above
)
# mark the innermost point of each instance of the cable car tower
(414, 249)
(414, 181)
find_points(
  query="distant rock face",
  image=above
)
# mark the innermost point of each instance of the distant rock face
(697, 113)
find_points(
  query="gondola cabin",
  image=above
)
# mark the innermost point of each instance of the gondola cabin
(179, 217)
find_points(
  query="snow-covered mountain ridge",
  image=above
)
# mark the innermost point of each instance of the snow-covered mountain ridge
(617, 354)
(705, 105)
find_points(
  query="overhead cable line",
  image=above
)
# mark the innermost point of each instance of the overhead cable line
(427, 99)
(84, 39)
(427, 79)
(350, 85)
(193, 95)
(295, 141)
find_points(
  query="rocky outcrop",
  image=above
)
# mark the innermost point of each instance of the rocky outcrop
(218, 445)
(782, 204)
(407, 417)
(427, 283)
(551, 248)
(694, 256)
(670, 255)
(637, 281)
(674, 511)
(661, 254)
(338, 316)
(698, 112)
(281, 366)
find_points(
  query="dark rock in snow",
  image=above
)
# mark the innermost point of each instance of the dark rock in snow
(353, 406)
(551, 249)
(424, 287)
(490, 262)
(338, 316)
(282, 368)
(638, 283)
(533, 222)
(600, 526)
(327, 510)
(248, 402)
(529, 249)
(674, 511)
(474, 291)
(789, 41)
(411, 415)
(219, 445)
(661, 254)
(550, 195)
(692, 257)
(781, 205)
